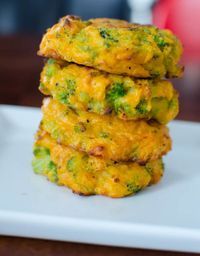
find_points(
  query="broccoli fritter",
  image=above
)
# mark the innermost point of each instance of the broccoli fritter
(105, 136)
(114, 46)
(87, 89)
(89, 175)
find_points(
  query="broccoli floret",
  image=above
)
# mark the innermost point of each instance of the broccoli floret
(51, 61)
(70, 90)
(123, 108)
(104, 33)
(71, 164)
(50, 68)
(117, 90)
(107, 35)
(71, 86)
(63, 97)
(42, 163)
(133, 188)
(142, 107)
(160, 41)
(103, 135)
(41, 151)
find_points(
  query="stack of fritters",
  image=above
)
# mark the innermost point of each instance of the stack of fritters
(103, 128)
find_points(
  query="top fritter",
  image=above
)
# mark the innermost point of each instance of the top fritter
(114, 46)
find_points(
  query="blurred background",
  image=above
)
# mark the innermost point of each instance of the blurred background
(22, 23)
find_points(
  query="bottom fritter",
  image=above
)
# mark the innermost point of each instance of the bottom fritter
(89, 175)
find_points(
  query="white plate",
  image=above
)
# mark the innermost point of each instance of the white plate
(166, 216)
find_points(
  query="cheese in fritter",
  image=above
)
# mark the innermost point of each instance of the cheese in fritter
(87, 89)
(89, 175)
(114, 46)
(105, 136)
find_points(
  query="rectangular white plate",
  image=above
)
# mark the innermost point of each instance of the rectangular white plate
(166, 216)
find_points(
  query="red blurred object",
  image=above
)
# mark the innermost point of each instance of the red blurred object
(183, 18)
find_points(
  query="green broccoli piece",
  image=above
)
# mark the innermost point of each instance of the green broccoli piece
(141, 108)
(103, 135)
(133, 188)
(50, 68)
(117, 90)
(63, 96)
(42, 163)
(71, 164)
(160, 41)
(107, 35)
